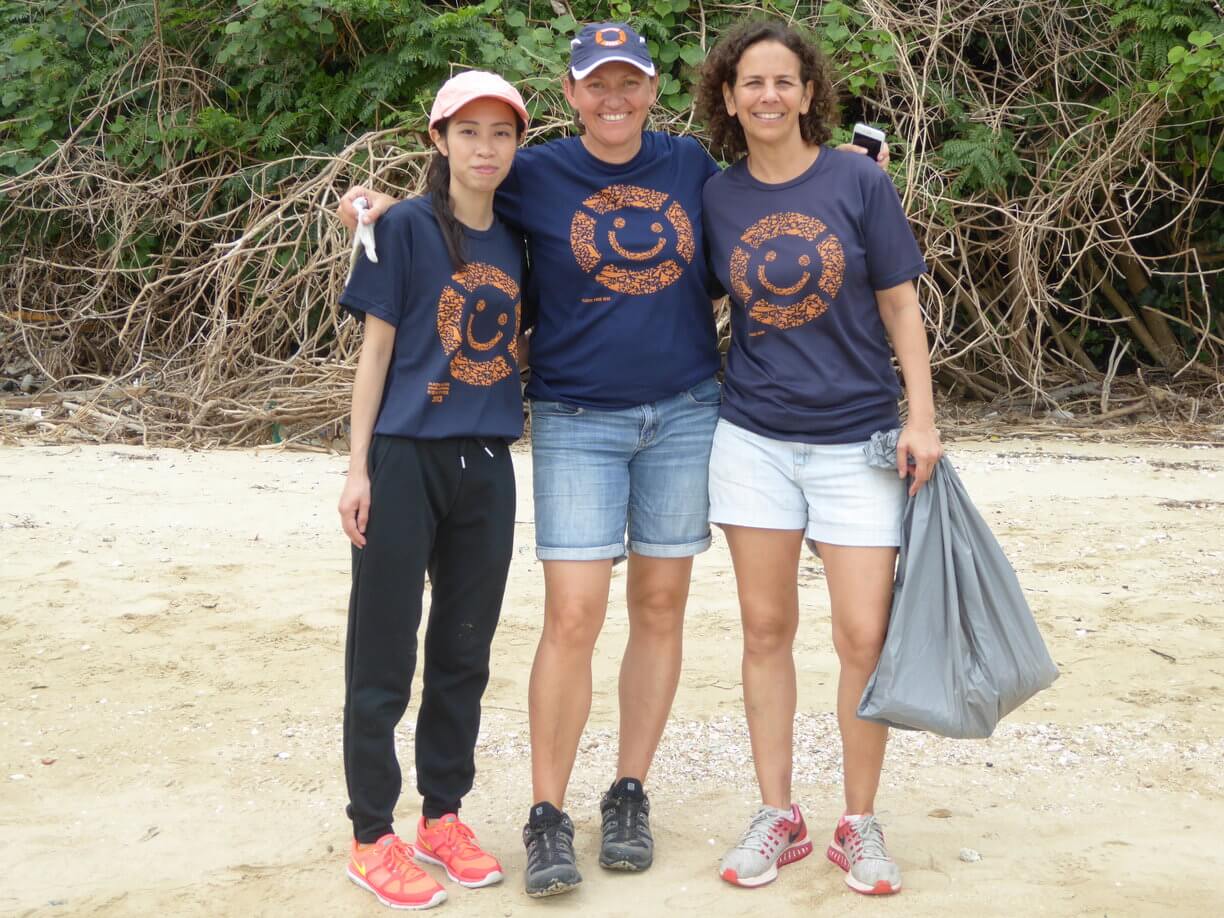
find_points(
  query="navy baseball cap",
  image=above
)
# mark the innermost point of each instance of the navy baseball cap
(601, 42)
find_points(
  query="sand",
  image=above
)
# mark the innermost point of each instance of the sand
(172, 628)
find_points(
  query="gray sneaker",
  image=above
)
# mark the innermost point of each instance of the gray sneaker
(549, 839)
(625, 821)
(774, 839)
(858, 848)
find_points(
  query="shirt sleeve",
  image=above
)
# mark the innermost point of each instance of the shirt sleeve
(381, 289)
(893, 255)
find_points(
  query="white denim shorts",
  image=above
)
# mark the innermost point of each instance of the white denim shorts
(827, 490)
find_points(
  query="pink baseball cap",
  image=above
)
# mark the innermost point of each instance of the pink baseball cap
(470, 85)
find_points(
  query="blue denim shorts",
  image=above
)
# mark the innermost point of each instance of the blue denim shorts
(644, 470)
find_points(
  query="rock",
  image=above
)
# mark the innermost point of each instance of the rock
(969, 856)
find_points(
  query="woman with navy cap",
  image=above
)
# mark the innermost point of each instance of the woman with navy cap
(624, 403)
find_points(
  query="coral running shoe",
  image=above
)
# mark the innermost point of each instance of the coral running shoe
(773, 839)
(451, 844)
(858, 848)
(386, 869)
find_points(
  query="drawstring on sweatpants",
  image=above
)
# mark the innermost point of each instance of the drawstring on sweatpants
(483, 445)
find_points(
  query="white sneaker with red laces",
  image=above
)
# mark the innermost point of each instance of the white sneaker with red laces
(773, 839)
(858, 848)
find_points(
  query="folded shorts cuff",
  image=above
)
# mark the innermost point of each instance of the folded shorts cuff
(612, 552)
(686, 550)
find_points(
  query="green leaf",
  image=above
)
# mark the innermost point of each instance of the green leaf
(516, 19)
(836, 32)
(692, 55)
(565, 23)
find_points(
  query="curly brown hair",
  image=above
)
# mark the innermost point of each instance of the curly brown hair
(726, 133)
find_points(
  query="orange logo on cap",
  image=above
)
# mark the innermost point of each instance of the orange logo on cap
(611, 38)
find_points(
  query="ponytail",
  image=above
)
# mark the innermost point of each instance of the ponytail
(437, 185)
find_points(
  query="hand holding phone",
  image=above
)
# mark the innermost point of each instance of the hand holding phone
(871, 139)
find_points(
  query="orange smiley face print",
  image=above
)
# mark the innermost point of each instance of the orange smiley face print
(636, 241)
(787, 270)
(478, 323)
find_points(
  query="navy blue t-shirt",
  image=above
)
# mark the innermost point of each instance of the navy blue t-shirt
(617, 291)
(454, 369)
(810, 360)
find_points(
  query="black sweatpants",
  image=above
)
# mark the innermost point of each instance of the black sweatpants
(446, 507)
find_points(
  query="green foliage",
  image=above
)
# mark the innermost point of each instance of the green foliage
(309, 76)
(865, 55)
(40, 44)
(1179, 45)
(982, 159)
(241, 98)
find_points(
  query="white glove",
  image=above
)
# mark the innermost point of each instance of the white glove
(365, 232)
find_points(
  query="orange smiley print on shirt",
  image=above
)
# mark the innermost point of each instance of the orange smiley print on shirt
(632, 239)
(478, 323)
(787, 269)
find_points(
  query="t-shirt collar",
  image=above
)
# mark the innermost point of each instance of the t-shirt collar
(643, 154)
(816, 167)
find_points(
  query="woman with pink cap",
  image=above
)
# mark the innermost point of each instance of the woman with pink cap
(430, 489)
(624, 401)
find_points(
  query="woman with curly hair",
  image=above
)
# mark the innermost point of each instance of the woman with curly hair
(819, 260)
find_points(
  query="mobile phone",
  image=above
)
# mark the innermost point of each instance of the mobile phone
(870, 138)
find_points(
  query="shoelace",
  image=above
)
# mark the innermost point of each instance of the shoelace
(550, 843)
(764, 833)
(461, 838)
(624, 813)
(398, 857)
(867, 839)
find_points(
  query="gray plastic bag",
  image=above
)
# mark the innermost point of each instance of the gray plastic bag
(962, 649)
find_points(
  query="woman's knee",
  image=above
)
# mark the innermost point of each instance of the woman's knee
(573, 625)
(859, 645)
(658, 612)
(767, 630)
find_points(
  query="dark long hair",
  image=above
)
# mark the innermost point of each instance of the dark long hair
(437, 186)
(726, 133)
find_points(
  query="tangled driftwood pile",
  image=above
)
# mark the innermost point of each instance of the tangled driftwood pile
(199, 305)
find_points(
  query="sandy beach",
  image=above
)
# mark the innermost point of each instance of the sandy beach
(172, 630)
